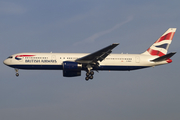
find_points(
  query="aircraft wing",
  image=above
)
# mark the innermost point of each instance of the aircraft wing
(98, 55)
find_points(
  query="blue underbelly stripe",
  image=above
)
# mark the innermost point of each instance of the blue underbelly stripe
(60, 67)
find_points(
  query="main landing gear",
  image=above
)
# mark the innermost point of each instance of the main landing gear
(89, 75)
(89, 72)
(17, 74)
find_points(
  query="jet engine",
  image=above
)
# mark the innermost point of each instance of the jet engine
(71, 69)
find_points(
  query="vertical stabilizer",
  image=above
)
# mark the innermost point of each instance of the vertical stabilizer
(160, 47)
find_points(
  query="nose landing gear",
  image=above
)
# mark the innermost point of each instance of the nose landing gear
(17, 74)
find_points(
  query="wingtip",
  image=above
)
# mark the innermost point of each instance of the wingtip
(115, 43)
(174, 52)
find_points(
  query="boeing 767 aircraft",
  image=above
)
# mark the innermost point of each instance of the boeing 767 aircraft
(73, 63)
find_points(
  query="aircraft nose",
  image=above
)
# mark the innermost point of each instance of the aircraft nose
(6, 62)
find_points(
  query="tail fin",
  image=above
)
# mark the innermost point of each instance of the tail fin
(160, 47)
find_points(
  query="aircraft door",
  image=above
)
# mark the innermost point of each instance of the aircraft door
(137, 59)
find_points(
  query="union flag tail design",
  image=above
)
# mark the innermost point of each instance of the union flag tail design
(160, 47)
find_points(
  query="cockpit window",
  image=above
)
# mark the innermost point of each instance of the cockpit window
(10, 57)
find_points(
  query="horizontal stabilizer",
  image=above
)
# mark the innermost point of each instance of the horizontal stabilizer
(163, 58)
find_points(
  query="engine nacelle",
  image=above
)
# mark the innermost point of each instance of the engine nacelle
(71, 69)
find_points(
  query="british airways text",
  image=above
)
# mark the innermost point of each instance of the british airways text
(40, 61)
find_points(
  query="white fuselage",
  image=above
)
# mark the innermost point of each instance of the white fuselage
(54, 61)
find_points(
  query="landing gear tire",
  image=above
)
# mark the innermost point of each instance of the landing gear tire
(91, 77)
(17, 74)
(86, 78)
(87, 74)
(92, 72)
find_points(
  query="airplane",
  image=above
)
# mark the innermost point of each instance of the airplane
(72, 64)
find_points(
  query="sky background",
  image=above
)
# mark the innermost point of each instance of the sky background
(86, 26)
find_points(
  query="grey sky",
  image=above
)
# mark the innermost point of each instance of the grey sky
(87, 26)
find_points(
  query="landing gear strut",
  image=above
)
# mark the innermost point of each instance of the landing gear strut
(17, 74)
(89, 72)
